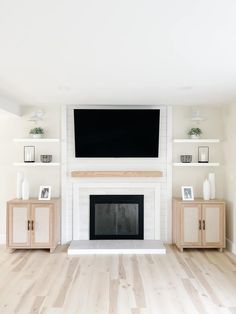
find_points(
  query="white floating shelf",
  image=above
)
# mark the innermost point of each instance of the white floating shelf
(36, 164)
(196, 164)
(189, 140)
(37, 140)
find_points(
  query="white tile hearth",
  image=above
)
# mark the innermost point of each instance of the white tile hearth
(89, 247)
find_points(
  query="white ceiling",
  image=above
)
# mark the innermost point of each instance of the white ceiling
(118, 52)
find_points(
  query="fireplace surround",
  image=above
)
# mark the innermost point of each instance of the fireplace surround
(116, 217)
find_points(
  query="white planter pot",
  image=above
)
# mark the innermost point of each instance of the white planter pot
(37, 135)
(195, 137)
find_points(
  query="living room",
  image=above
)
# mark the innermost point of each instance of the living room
(117, 163)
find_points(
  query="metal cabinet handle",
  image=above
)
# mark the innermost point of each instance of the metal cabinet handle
(200, 225)
(32, 225)
(204, 225)
(28, 225)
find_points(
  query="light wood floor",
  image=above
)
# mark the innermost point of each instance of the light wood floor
(191, 282)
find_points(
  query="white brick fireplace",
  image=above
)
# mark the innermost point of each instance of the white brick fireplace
(75, 191)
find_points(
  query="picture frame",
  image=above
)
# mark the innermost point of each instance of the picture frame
(45, 193)
(29, 154)
(187, 193)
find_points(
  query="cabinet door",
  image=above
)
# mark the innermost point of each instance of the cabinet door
(213, 220)
(191, 225)
(18, 225)
(41, 225)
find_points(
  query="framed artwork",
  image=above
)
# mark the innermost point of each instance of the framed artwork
(187, 193)
(45, 193)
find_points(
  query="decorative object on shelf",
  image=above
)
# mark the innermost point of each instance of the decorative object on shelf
(19, 181)
(196, 116)
(203, 154)
(195, 133)
(187, 193)
(37, 115)
(37, 132)
(186, 158)
(206, 190)
(46, 158)
(45, 193)
(211, 178)
(25, 189)
(29, 153)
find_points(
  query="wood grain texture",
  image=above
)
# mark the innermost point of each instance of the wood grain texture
(196, 223)
(81, 174)
(196, 281)
(41, 231)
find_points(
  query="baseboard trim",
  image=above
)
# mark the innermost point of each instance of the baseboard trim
(2, 239)
(231, 246)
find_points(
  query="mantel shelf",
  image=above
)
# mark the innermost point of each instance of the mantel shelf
(104, 174)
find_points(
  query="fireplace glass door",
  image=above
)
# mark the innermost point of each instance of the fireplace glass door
(116, 217)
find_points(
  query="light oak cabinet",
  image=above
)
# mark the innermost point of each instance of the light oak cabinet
(198, 224)
(33, 224)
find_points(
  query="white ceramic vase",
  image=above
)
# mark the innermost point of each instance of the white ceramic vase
(206, 190)
(19, 181)
(25, 189)
(211, 178)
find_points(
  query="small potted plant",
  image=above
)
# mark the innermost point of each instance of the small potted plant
(37, 132)
(195, 133)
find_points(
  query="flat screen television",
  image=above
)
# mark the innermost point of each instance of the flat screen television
(111, 133)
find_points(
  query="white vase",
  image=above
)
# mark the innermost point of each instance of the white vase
(19, 181)
(206, 190)
(25, 189)
(211, 178)
(37, 135)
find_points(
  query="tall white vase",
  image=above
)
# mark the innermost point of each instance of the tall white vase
(211, 178)
(206, 190)
(25, 189)
(19, 181)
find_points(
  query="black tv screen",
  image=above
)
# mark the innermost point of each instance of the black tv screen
(116, 133)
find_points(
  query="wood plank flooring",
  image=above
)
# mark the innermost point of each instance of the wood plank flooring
(196, 281)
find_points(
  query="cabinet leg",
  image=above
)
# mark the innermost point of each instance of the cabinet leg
(52, 250)
(181, 249)
(221, 250)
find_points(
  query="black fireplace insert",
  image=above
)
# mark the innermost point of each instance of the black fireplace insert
(116, 217)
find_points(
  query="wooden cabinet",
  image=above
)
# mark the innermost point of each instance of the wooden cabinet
(33, 224)
(199, 224)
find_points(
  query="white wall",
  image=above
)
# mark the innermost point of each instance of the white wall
(10, 106)
(229, 118)
(14, 127)
(212, 127)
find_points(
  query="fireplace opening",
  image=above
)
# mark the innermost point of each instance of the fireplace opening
(116, 217)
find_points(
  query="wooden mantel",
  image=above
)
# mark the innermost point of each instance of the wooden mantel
(104, 174)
